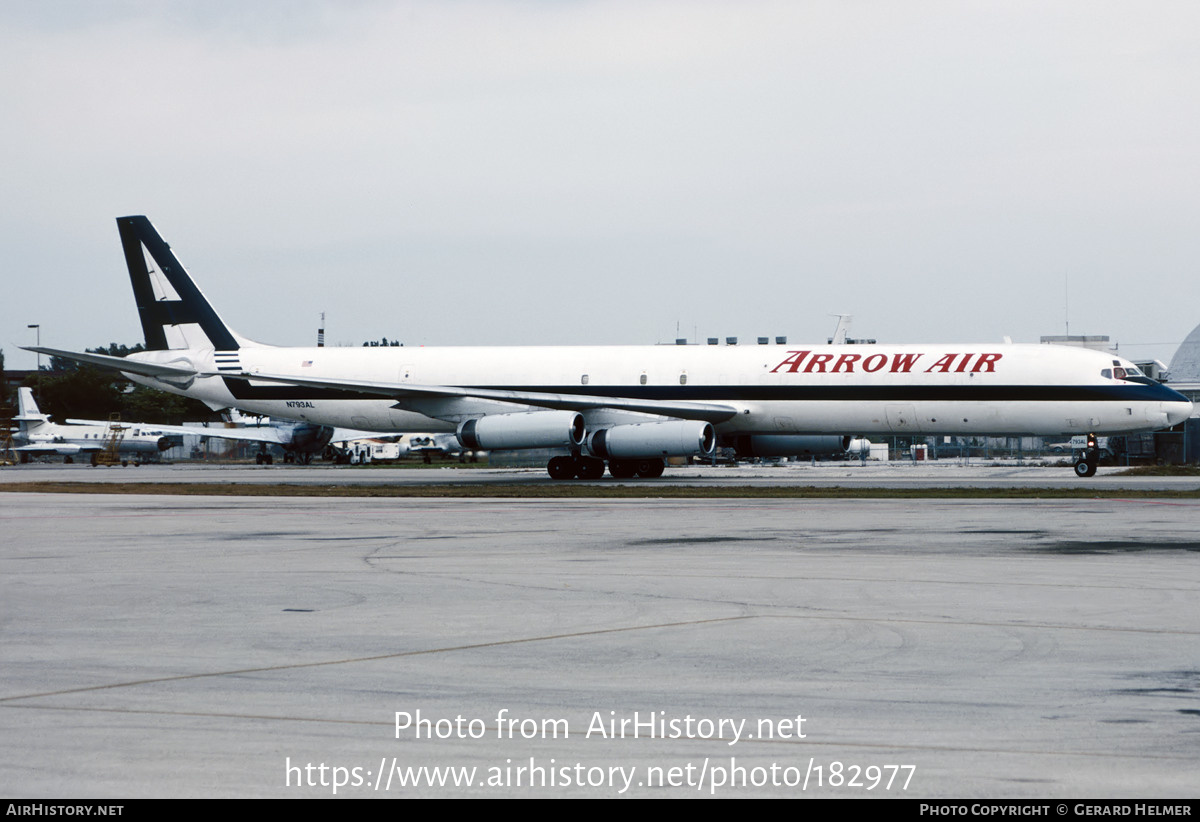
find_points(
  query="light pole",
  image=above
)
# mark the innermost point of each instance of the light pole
(38, 329)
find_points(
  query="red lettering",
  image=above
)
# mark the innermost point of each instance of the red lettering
(879, 360)
(847, 360)
(943, 364)
(903, 363)
(796, 358)
(988, 360)
(962, 366)
(818, 363)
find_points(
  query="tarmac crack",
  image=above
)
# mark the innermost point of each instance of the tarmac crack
(576, 634)
(372, 658)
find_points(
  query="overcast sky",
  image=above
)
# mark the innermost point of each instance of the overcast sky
(450, 173)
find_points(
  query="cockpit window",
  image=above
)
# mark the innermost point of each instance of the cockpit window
(1121, 373)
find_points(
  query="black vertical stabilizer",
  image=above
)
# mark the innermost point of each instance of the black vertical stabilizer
(190, 309)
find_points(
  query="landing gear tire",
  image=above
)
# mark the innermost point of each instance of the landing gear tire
(650, 468)
(561, 468)
(622, 469)
(589, 468)
(1085, 467)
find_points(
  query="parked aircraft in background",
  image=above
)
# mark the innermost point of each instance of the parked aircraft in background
(433, 445)
(37, 436)
(300, 441)
(629, 406)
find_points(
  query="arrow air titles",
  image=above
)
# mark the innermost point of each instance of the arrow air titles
(807, 362)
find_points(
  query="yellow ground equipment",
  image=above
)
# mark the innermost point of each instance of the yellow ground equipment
(113, 435)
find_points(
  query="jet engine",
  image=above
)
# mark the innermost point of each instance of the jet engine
(165, 443)
(310, 439)
(790, 445)
(531, 429)
(682, 438)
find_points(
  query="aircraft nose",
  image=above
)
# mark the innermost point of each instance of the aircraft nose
(1177, 412)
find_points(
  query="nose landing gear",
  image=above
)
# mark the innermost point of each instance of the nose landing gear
(1089, 458)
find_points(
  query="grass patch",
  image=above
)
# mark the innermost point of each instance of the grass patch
(1160, 471)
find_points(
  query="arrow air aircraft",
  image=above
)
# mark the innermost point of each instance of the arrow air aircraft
(629, 406)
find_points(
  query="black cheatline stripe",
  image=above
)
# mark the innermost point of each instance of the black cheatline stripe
(241, 389)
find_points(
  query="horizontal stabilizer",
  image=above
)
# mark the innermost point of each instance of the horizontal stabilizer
(146, 369)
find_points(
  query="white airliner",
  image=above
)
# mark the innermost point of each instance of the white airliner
(630, 406)
(300, 441)
(37, 436)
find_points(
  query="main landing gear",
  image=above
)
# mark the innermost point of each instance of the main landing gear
(1089, 458)
(592, 468)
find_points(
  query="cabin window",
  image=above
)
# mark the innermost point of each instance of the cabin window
(583, 379)
(683, 379)
(643, 379)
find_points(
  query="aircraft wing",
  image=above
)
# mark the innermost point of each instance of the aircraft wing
(270, 434)
(64, 448)
(706, 411)
(264, 433)
(344, 435)
(688, 410)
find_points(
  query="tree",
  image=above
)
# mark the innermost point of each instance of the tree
(84, 393)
